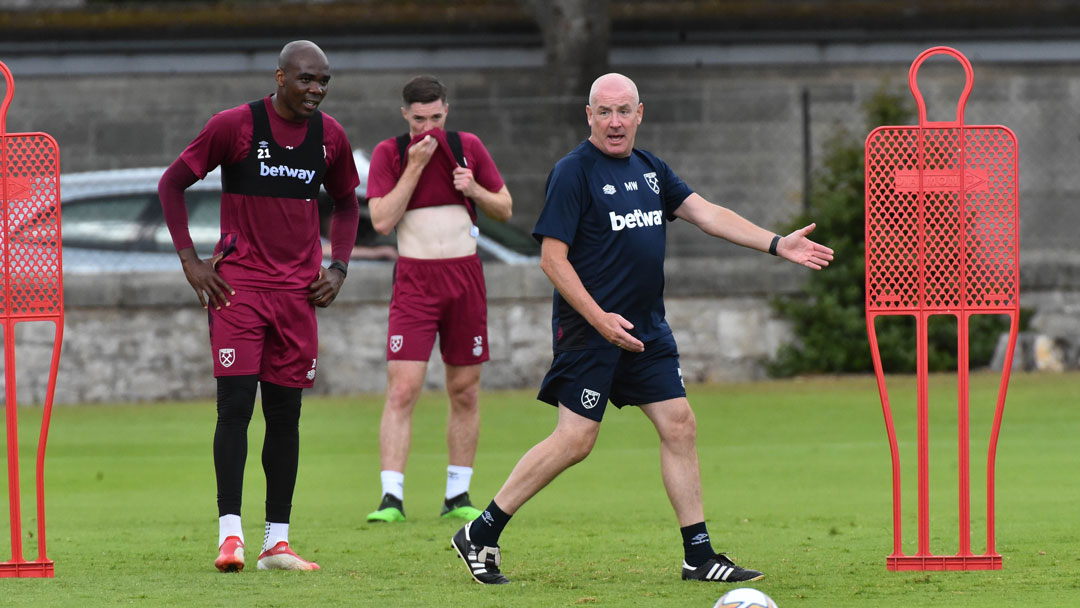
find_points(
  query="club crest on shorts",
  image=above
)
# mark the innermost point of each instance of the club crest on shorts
(395, 343)
(478, 346)
(226, 356)
(589, 399)
(654, 184)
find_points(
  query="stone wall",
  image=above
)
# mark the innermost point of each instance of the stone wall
(143, 337)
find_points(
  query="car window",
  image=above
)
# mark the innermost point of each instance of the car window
(204, 223)
(107, 222)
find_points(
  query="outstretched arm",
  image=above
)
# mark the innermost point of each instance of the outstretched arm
(554, 263)
(724, 223)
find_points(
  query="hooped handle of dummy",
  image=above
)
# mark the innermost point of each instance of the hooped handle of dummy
(9, 92)
(913, 83)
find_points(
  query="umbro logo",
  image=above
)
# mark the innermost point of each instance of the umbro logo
(699, 539)
(609, 189)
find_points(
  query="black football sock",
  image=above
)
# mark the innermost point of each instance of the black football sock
(485, 530)
(696, 544)
(235, 402)
(281, 448)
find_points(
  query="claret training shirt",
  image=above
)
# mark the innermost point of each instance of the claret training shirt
(272, 243)
(613, 213)
(436, 184)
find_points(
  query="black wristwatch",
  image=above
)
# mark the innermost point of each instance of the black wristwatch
(772, 245)
(340, 266)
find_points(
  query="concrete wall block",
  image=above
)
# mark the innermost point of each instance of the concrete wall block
(1041, 88)
(751, 104)
(676, 110)
(829, 93)
(130, 138)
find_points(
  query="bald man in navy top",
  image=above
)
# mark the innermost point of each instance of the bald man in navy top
(603, 234)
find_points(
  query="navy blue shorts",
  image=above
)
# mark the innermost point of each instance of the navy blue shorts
(584, 380)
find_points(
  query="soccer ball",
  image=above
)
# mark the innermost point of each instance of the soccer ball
(744, 597)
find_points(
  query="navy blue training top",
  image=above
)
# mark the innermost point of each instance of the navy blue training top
(612, 212)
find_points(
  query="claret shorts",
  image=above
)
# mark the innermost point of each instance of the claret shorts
(446, 297)
(272, 334)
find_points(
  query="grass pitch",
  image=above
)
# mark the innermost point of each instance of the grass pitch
(796, 484)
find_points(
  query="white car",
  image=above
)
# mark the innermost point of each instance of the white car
(111, 221)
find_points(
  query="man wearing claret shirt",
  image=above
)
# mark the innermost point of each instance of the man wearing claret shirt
(429, 184)
(265, 279)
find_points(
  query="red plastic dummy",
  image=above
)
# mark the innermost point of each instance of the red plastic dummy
(942, 239)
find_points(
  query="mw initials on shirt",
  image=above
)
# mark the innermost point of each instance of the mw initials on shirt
(635, 219)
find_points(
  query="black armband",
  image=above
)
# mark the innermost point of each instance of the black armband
(340, 266)
(772, 245)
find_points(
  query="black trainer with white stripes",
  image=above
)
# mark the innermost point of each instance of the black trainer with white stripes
(483, 562)
(720, 569)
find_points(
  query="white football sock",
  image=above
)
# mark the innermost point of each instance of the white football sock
(229, 525)
(393, 483)
(275, 533)
(457, 480)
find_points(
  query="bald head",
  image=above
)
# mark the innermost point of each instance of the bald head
(614, 113)
(613, 84)
(302, 76)
(291, 52)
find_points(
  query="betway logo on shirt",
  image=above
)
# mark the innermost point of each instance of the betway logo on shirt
(635, 219)
(304, 175)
